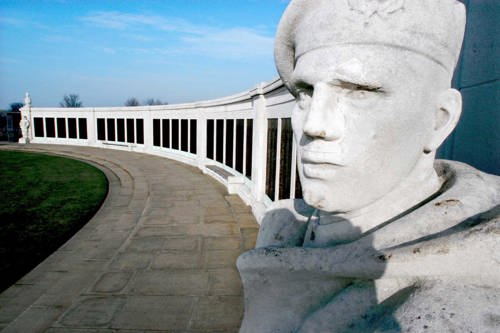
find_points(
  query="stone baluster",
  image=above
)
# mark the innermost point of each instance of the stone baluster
(259, 153)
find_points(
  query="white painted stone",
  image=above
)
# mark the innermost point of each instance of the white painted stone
(234, 184)
(387, 240)
(266, 100)
(25, 123)
(27, 100)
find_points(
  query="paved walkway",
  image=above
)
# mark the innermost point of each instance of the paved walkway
(159, 256)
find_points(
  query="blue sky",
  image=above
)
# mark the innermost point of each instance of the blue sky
(110, 50)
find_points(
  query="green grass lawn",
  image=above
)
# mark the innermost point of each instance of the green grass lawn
(44, 200)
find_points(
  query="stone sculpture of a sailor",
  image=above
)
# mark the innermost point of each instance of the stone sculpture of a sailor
(386, 238)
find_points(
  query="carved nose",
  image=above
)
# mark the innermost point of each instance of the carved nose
(324, 119)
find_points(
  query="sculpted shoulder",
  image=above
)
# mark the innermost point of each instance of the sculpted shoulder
(466, 196)
(284, 224)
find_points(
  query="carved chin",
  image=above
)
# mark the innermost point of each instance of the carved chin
(314, 198)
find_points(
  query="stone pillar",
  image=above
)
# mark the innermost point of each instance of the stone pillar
(92, 129)
(259, 150)
(148, 131)
(201, 143)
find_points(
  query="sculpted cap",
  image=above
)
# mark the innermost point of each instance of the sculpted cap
(432, 28)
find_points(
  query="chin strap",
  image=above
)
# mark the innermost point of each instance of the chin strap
(312, 224)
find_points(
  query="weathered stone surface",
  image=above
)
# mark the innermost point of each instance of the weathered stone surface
(146, 244)
(225, 282)
(209, 308)
(35, 319)
(182, 244)
(221, 258)
(79, 330)
(130, 261)
(140, 267)
(112, 282)
(154, 313)
(227, 218)
(174, 283)
(385, 240)
(221, 243)
(176, 260)
(93, 312)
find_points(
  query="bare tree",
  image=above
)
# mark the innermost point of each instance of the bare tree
(132, 102)
(152, 101)
(16, 107)
(71, 101)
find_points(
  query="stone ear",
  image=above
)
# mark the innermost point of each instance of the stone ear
(447, 115)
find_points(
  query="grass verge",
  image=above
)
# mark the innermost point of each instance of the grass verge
(44, 200)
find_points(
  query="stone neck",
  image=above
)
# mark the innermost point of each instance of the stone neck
(330, 229)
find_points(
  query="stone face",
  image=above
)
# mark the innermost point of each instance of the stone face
(386, 239)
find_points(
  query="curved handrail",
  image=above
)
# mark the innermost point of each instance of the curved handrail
(243, 140)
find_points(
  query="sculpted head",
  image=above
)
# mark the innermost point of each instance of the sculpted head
(372, 82)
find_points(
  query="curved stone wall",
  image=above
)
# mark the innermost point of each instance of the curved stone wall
(244, 140)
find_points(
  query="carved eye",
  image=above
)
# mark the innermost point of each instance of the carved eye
(358, 92)
(304, 98)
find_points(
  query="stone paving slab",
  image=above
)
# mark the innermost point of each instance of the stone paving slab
(159, 256)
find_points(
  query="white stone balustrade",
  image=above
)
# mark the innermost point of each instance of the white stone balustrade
(244, 140)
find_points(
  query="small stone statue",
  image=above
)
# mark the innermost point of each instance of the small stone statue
(24, 125)
(27, 100)
(386, 239)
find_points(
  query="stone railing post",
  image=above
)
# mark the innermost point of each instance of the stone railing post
(259, 153)
(92, 128)
(201, 143)
(148, 131)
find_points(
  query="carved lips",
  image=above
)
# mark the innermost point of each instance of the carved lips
(319, 157)
(319, 164)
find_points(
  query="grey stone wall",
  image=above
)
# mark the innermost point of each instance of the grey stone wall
(476, 140)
